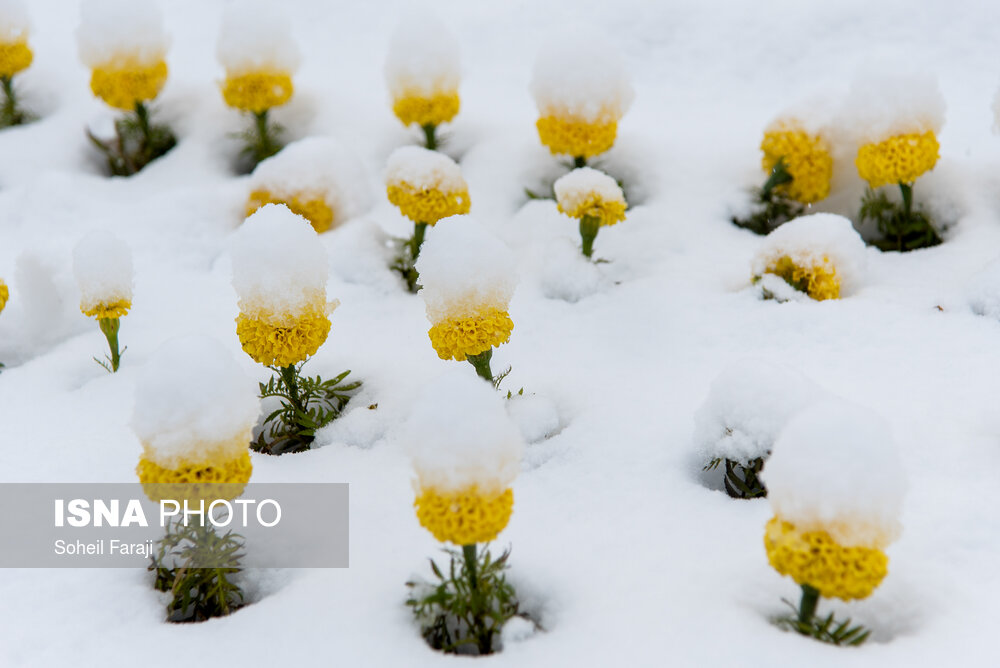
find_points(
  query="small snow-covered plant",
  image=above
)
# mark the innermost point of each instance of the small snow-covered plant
(259, 53)
(280, 272)
(581, 90)
(466, 453)
(818, 257)
(15, 56)
(747, 406)
(422, 72)
(836, 485)
(125, 45)
(799, 168)
(102, 264)
(593, 198)
(899, 118)
(468, 279)
(194, 439)
(426, 186)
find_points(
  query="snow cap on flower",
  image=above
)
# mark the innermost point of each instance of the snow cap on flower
(14, 21)
(423, 58)
(464, 269)
(121, 32)
(748, 405)
(102, 264)
(426, 185)
(317, 178)
(881, 104)
(460, 436)
(835, 468)
(193, 402)
(257, 36)
(589, 192)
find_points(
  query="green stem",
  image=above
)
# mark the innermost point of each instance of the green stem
(290, 376)
(807, 608)
(10, 101)
(110, 327)
(266, 146)
(481, 362)
(483, 636)
(907, 190)
(589, 226)
(430, 136)
(419, 230)
(579, 161)
(779, 175)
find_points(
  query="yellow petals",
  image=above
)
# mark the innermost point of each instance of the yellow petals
(205, 481)
(460, 337)
(426, 110)
(819, 281)
(814, 558)
(4, 294)
(115, 309)
(290, 342)
(607, 211)
(311, 207)
(465, 517)
(122, 86)
(807, 158)
(569, 136)
(257, 91)
(14, 57)
(899, 159)
(428, 205)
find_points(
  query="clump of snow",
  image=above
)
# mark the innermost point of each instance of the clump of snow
(102, 264)
(581, 75)
(747, 406)
(463, 268)
(813, 115)
(192, 398)
(257, 36)
(317, 167)
(568, 275)
(535, 415)
(112, 30)
(984, 291)
(279, 264)
(459, 435)
(810, 240)
(836, 468)
(14, 21)
(882, 103)
(423, 57)
(423, 169)
(574, 189)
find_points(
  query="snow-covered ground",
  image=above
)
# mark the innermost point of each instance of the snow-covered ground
(620, 549)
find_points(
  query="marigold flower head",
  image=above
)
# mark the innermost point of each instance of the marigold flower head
(818, 280)
(426, 185)
(806, 156)
(14, 57)
(464, 517)
(286, 339)
(898, 159)
(422, 71)
(460, 337)
(416, 109)
(123, 85)
(567, 135)
(588, 192)
(205, 481)
(102, 264)
(257, 91)
(4, 295)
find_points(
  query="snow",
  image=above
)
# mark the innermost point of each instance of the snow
(575, 188)
(886, 99)
(836, 468)
(14, 21)
(423, 57)
(102, 264)
(459, 436)
(192, 397)
(257, 36)
(422, 169)
(112, 30)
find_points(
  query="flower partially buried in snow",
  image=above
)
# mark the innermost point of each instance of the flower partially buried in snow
(102, 264)
(259, 54)
(422, 72)
(836, 484)
(194, 413)
(593, 198)
(4, 295)
(317, 178)
(468, 278)
(426, 185)
(125, 45)
(821, 256)
(466, 453)
(898, 159)
(581, 90)
(15, 54)
(280, 272)
(805, 156)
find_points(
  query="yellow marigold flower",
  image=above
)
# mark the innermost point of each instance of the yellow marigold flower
(898, 159)
(575, 137)
(310, 206)
(806, 157)
(14, 57)
(115, 309)
(465, 517)
(416, 108)
(282, 341)
(428, 205)
(257, 91)
(4, 294)
(819, 281)
(815, 559)
(123, 85)
(608, 212)
(587, 192)
(459, 337)
(206, 481)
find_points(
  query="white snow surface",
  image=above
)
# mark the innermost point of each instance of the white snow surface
(102, 264)
(576, 187)
(256, 35)
(423, 57)
(418, 168)
(747, 406)
(459, 435)
(116, 32)
(191, 399)
(886, 99)
(836, 468)
(15, 22)
(464, 268)
(618, 548)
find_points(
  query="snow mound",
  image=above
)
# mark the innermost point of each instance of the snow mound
(581, 75)
(423, 57)
(256, 35)
(835, 468)
(423, 169)
(14, 21)
(113, 29)
(191, 397)
(575, 188)
(459, 435)
(881, 104)
(813, 115)
(102, 264)
(536, 416)
(984, 291)
(747, 406)
(567, 275)
(463, 269)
